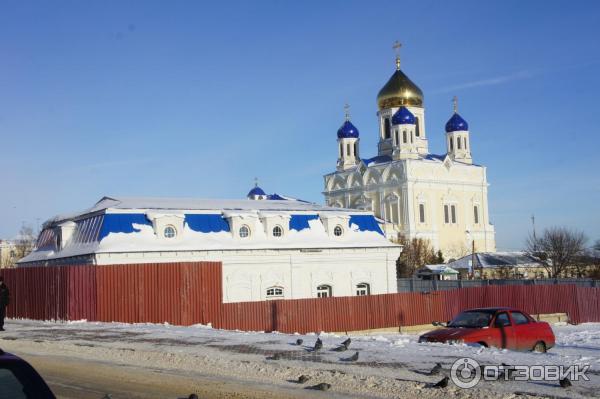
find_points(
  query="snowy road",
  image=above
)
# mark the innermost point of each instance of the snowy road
(159, 361)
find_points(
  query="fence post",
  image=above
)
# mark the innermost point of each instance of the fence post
(435, 285)
(411, 285)
(460, 283)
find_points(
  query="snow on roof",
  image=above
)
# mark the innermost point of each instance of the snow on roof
(195, 204)
(496, 259)
(125, 224)
(441, 269)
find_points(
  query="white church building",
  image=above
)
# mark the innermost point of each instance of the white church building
(417, 194)
(271, 247)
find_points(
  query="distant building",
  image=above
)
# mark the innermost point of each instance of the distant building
(493, 265)
(270, 247)
(437, 272)
(8, 254)
(442, 198)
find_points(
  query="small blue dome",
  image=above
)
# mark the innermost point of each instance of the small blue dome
(347, 131)
(456, 123)
(256, 191)
(403, 117)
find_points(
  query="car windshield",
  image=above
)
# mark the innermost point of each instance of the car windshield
(474, 319)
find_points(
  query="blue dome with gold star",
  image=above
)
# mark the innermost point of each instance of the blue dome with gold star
(403, 117)
(348, 130)
(456, 123)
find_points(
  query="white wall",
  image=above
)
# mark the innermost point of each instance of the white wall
(248, 273)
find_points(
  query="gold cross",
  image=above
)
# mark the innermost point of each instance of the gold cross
(256, 182)
(396, 48)
(347, 111)
(455, 104)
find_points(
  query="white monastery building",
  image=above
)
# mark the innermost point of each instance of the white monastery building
(271, 247)
(443, 198)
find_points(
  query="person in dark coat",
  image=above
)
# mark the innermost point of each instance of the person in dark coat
(4, 300)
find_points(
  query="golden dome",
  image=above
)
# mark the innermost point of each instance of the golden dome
(398, 91)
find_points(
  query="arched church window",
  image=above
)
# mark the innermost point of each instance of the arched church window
(446, 215)
(363, 289)
(386, 129)
(324, 291)
(274, 292)
(397, 138)
(348, 149)
(476, 214)
(411, 138)
(458, 143)
(422, 213)
(341, 150)
(404, 139)
(465, 139)
(356, 149)
(244, 231)
(453, 212)
(417, 127)
(338, 231)
(277, 231)
(451, 143)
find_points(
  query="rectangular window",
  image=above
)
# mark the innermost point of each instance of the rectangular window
(451, 144)
(348, 150)
(404, 137)
(453, 209)
(458, 143)
(476, 214)
(446, 218)
(417, 128)
(422, 213)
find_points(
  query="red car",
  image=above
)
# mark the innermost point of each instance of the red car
(499, 327)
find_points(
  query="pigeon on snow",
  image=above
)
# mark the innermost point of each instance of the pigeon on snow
(565, 382)
(436, 369)
(322, 386)
(443, 383)
(318, 344)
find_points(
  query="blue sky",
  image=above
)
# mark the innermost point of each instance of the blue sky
(195, 99)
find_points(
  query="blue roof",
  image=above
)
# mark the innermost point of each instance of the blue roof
(403, 117)
(378, 159)
(256, 191)
(122, 223)
(456, 123)
(206, 223)
(300, 222)
(348, 130)
(365, 223)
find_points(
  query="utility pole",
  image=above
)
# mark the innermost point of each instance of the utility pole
(534, 236)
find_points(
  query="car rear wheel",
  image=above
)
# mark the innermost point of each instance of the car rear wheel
(540, 347)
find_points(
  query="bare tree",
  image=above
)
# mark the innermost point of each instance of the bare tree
(24, 242)
(558, 248)
(416, 253)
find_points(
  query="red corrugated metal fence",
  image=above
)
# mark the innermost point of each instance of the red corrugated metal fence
(191, 293)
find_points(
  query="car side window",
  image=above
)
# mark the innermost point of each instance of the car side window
(502, 320)
(10, 387)
(519, 318)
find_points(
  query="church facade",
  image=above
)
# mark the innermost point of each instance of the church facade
(415, 194)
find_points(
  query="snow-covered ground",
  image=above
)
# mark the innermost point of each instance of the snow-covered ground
(389, 365)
